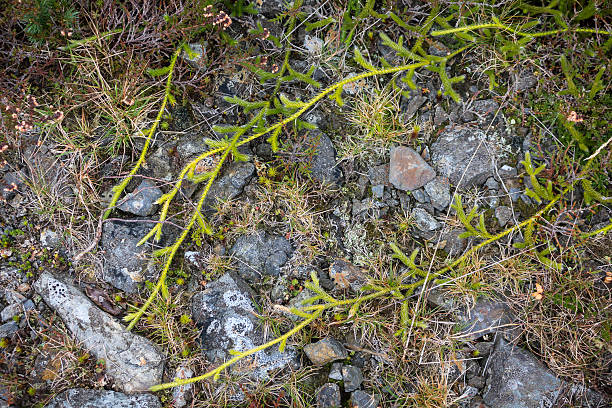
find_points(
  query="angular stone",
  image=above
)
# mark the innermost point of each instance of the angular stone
(142, 200)
(438, 191)
(503, 215)
(84, 398)
(49, 239)
(325, 351)
(231, 184)
(328, 396)
(227, 317)
(336, 372)
(408, 170)
(347, 275)
(487, 316)
(524, 80)
(424, 221)
(361, 399)
(413, 105)
(261, 254)
(323, 166)
(132, 361)
(16, 309)
(352, 378)
(440, 116)
(126, 264)
(463, 155)
(183, 393)
(313, 45)
(8, 329)
(517, 379)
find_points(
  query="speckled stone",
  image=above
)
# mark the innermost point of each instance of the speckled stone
(325, 351)
(408, 170)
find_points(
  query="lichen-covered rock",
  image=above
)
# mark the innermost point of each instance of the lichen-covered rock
(503, 215)
(408, 170)
(261, 254)
(517, 379)
(328, 396)
(323, 166)
(464, 155)
(84, 398)
(325, 351)
(142, 200)
(132, 361)
(226, 315)
(126, 264)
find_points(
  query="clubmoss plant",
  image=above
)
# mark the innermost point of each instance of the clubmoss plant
(400, 287)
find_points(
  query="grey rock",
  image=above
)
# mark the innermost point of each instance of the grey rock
(485, 110)
(328, 396)
(424, 221)
(487, 316)
(126, 265)
(323, 166)
(503, 215)
(516, 379)
(420, 195)
(261, 254)
(347, 275)
(182, 394)
(8, 329)
(355, 87)
(438, 191)
(335, 373)
(325, 351)
(506, 172)
(515, 194)
(440, 116)
(361, 399)
(441, 299)
(492, 184)
(226, 315)
(84, 398)
(375, 207)
(236, 176)
(408, 170)
(379, 175)
(413, 105)
(378, 191)
(16, 309)
(524, 80)
(454, 244)
(142, 200)
(49, 239)
(132, 361)
(352, 378)
(463, 155)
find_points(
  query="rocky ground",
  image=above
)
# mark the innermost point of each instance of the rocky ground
(505, 327)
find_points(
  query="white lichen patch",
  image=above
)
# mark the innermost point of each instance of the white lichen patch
(234, 298)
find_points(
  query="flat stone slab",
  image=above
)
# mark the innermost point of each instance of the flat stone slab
(84, 398)
(515, 378)
(488, 316)
(408, 170)
(132, 361)
(227, 317)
